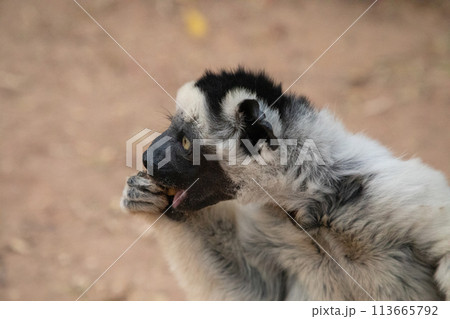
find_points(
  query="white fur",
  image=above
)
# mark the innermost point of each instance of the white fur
(233, 99)
(191, 104)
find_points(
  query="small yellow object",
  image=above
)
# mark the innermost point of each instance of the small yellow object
(186, 143)
(171, 191)
(196, 23)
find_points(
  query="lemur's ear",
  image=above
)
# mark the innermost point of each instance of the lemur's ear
(256, 127)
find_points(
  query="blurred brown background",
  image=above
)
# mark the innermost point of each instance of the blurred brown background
(70, 98)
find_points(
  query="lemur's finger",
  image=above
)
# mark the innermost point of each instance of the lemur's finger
(143, 174)
(144, 183)
(140, 207)
(138, 194)
(137, 199)
(142, 194)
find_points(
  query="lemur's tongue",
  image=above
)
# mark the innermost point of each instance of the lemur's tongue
(178, 198)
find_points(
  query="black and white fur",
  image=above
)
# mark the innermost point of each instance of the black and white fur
(367, 225)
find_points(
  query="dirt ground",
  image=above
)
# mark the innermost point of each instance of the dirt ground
(70, 98)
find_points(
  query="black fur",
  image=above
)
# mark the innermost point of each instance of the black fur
(180, 172)
(216, 85)
(256, 127)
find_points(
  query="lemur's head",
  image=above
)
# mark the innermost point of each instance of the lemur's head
(224, 133)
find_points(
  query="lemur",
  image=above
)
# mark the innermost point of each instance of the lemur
(360, 225)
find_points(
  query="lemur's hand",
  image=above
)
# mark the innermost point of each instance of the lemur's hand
(142, 195)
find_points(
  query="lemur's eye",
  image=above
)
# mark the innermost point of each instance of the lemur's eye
(186, 143)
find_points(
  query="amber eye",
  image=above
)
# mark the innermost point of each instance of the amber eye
(186, 143)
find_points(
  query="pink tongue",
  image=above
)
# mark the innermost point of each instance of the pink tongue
(178, 198)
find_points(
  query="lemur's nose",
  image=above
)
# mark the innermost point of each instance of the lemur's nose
(144, 159)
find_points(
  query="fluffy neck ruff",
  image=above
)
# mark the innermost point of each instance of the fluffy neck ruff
(316, 190)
